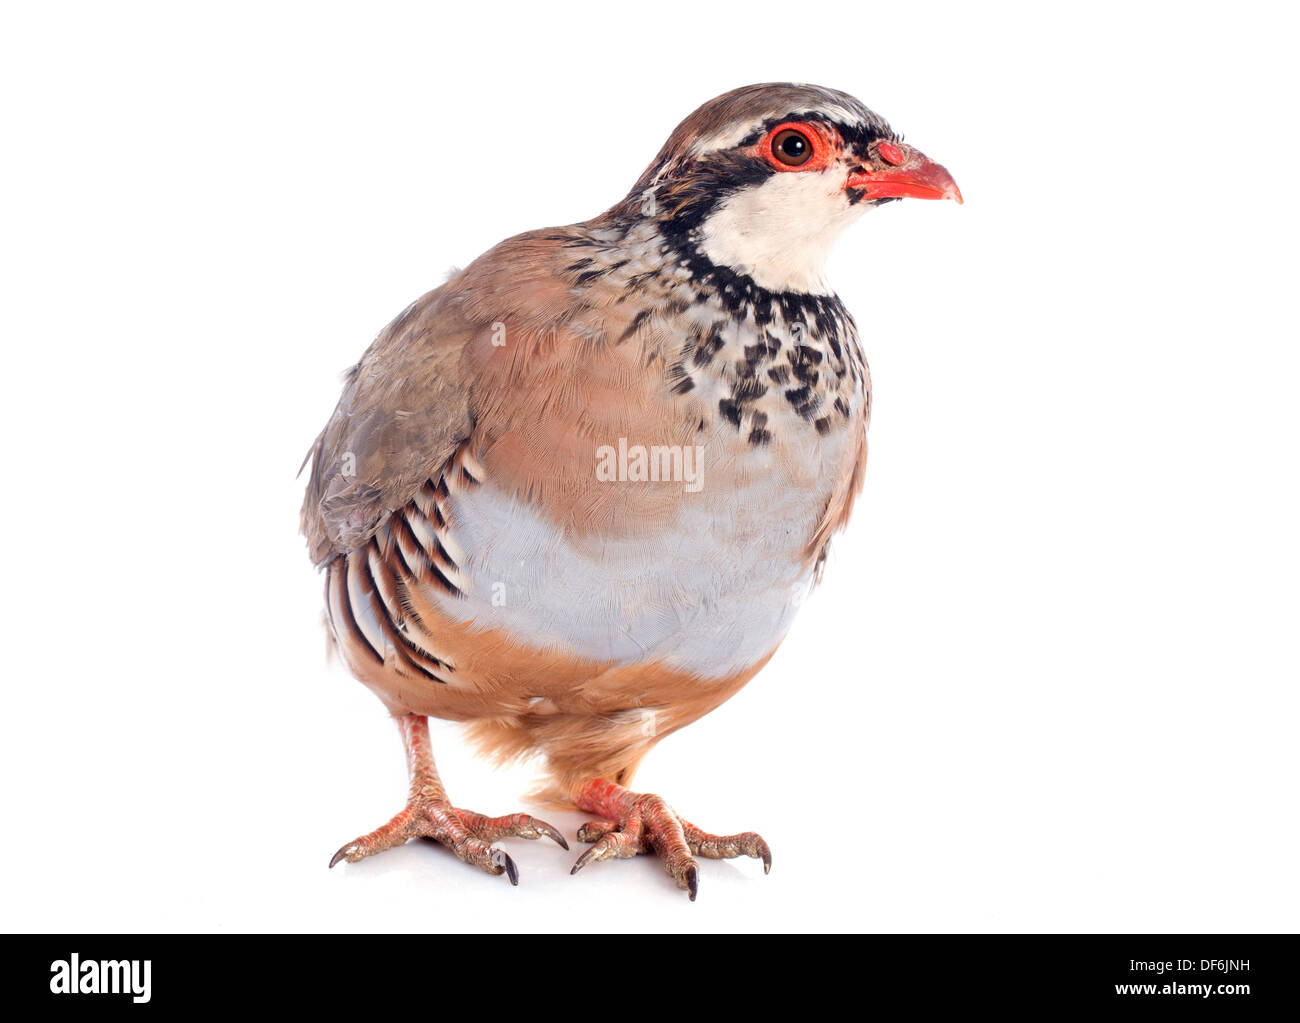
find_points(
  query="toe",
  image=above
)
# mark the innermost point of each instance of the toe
(594, 831)
(724, 847)
(516, 825)
(394, 833)
(624, 842)
(681, 867)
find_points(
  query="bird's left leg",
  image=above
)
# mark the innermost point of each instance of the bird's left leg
(634, 822)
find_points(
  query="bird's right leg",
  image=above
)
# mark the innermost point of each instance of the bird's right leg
(429, 814)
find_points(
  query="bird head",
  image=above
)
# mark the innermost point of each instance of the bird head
(763, 179)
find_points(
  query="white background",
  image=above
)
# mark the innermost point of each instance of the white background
(1050, 681)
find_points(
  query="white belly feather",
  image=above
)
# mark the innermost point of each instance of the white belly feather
(710, 595)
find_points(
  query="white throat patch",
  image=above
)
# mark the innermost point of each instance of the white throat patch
(780, 232)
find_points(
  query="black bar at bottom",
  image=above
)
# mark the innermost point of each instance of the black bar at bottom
(1224, 975)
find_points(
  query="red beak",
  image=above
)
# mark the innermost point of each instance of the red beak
(916, 176)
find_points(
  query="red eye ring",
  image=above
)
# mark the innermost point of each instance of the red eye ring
(788, 136)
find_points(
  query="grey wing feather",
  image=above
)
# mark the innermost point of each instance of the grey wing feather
(404, 409)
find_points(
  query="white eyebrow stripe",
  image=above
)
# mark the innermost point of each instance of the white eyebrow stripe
(734, 134)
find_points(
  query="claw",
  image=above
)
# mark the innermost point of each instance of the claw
(504, 862)
(552, 833)
(342, 853)
(583, 860)
(766, 854)
(693, 880)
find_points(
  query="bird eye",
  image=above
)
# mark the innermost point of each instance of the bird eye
(792, 147)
